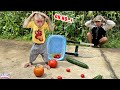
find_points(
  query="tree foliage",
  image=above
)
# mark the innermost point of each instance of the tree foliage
(11, 24)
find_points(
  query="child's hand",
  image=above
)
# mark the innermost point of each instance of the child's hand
(33, 13)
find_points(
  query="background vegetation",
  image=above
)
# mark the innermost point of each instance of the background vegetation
(11, 25)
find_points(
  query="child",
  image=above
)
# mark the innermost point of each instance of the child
(98, 27)
(37, 21)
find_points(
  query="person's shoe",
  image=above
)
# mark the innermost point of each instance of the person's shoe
(98, 46)
(91, 45)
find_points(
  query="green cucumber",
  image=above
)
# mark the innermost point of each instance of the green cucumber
(98, 77)
(76, 62)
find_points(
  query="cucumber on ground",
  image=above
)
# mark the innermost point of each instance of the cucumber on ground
(98, 77)
(76, 62)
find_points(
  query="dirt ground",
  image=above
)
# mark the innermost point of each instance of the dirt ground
(14, 54)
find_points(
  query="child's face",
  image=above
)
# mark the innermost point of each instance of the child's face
(98, 23)
(39, 20)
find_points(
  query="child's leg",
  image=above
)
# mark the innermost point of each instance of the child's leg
(43, 52)
(33, 55)
(45, 55)
(45, 58)
(89, 37)
(34, 52)
(103, 40)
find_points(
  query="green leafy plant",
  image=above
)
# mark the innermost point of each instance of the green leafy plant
(11, 25)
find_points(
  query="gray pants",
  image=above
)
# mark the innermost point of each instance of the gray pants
(38, 49)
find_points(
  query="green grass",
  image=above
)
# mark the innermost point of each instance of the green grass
(27, 37)
(113, 39)
(112, 43)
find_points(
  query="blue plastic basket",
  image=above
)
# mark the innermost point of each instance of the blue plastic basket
(56, 44)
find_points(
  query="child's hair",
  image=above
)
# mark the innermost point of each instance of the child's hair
(38, 14)
(99, 17)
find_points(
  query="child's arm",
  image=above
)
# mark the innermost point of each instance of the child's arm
(50, 25)
(109, 24)
(28, 19)
(89, 24)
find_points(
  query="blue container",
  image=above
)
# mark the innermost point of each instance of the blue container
(56, 44)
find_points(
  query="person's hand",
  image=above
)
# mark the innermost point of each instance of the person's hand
(104, 20)
(33, 13)
(44, 15)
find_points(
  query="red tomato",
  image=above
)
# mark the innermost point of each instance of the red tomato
(82, 76)
(59, 77)
(57, 56)
(68, 70)
(52, 63)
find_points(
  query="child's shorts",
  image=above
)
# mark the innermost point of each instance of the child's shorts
(39, 49)
(95, 41)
